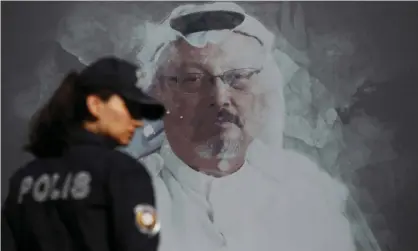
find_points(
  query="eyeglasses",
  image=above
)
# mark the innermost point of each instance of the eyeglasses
(194, 82)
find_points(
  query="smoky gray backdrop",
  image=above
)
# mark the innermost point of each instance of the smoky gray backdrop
(359, 61)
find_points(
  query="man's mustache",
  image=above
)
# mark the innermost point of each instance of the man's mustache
(226, 116)
(222, 116)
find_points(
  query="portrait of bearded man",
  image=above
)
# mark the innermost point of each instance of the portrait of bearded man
(223, 179)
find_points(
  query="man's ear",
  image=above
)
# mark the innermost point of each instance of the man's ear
(94, 105)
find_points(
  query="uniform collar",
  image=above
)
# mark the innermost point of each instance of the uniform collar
(81, 136)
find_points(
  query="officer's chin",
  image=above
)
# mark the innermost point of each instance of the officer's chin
(125, 141)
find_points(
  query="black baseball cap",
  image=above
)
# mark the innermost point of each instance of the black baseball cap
(120, 76)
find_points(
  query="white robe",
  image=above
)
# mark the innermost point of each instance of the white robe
(281, 202)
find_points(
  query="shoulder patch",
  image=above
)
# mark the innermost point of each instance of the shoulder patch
(146, 219)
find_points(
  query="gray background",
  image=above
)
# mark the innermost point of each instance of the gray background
(377, 42)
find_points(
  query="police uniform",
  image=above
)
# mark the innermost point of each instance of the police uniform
(92, 197)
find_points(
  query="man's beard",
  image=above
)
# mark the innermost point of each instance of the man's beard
(220, 148)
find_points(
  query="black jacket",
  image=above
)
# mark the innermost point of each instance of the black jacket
(93, 198)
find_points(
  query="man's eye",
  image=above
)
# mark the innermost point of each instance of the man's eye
(241, 79)
(172, 79)
(243, 75)
(191, 79)
(240, 76)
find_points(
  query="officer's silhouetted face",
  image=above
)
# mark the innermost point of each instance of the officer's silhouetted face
(113, 118)
(213, 94)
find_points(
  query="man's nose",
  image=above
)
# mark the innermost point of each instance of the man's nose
(221, 93)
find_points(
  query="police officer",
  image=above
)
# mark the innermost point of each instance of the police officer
(80, 193)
